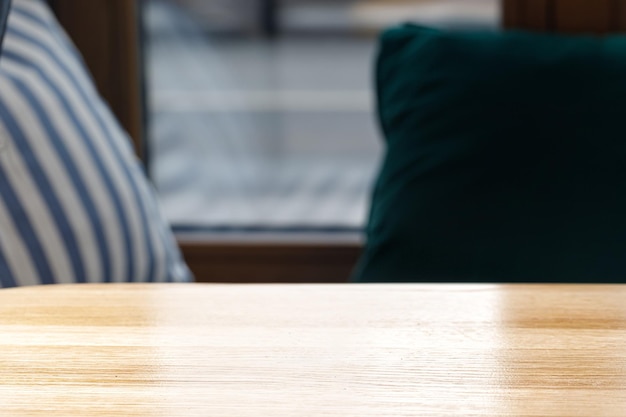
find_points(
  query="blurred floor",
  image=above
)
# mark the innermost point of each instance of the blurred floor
(253, 132)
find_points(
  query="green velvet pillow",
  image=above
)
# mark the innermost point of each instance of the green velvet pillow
(505, 162)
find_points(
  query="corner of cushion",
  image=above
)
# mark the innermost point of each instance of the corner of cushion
(391, 41)
(391, 56)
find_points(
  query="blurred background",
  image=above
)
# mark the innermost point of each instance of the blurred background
(261, 113)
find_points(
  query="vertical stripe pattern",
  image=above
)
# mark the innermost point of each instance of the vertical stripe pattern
(75, 205)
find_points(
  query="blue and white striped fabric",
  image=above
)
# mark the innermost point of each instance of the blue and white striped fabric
(75, 205)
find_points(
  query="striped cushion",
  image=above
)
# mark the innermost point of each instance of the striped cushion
(75, 205)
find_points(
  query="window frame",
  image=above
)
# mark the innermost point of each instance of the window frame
(108, 33)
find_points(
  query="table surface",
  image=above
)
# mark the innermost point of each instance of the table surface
(313, 350)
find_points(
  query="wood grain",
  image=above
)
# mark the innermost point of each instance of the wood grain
(313, 350)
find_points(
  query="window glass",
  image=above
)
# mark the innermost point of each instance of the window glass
(261, 111)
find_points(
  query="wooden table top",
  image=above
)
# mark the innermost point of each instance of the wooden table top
(313, 350)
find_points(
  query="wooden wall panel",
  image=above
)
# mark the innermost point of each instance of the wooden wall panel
(107, 34)
(620, 15)
(527, 14)
(579, 16)
(270, 262)
(566, 16)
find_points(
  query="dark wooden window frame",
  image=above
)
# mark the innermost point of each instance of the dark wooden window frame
(107, 32)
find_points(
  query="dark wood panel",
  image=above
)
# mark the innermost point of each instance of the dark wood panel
(580, 16)
(619, 15)
(527, 14)
(107, 34)
(565, 16)
(271, 263)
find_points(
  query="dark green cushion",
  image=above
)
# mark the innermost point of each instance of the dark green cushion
(505, 162)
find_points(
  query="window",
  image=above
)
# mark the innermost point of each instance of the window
(261, 111)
